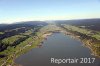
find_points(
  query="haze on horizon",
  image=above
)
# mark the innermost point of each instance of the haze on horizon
(29, 10)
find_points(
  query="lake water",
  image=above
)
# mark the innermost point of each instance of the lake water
(58, 46)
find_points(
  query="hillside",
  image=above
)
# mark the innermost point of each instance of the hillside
(93, 24)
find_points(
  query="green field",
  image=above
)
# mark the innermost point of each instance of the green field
(89, 37)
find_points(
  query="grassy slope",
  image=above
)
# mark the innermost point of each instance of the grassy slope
(94, 45)
(29, 43)
(13, 51)
(95, 34)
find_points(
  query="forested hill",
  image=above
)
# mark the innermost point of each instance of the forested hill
(12, 35)
(93, 24)
(8, 30)
(4, 27)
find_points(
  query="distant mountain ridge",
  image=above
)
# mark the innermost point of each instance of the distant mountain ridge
(93, 24)
(21, 24)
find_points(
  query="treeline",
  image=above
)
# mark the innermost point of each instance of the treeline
(13, 32)
(9, 30)
(17, 33)
(4, 45)
(16, 39)
(27, 24)
(93, 24)
(89, 40)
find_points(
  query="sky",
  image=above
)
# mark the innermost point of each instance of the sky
(31, 10)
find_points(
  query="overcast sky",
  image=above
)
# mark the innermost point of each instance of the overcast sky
(27, 10)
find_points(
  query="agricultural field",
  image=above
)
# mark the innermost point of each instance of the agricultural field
(88, 36)
(15, 38)
(92, 33)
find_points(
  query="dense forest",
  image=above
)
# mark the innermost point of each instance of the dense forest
(12, 35)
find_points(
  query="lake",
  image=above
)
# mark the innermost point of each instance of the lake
(58, 46)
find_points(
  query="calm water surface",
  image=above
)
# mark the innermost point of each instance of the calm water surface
(57, 46)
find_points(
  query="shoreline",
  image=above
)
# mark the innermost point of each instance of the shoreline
(87, 43)
(43, 37)
(73, 36)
